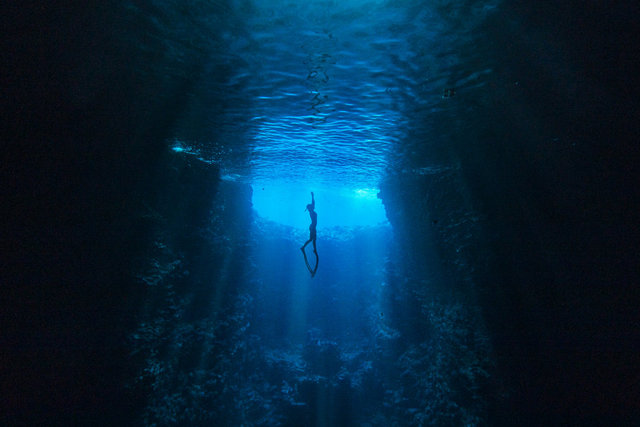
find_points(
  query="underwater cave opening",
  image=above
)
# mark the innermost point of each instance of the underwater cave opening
(339, 206)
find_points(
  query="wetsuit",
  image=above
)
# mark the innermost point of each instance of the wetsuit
(314, 222)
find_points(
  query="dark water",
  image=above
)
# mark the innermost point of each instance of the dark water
(474, 166)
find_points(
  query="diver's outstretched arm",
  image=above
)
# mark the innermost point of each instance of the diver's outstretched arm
(313, 201)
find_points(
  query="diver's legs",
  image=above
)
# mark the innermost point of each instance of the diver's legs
(306, 243)
(314, 247)
(306, 261)
(315, 269)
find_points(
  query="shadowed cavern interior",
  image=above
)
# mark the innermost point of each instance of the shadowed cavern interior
(474, 166)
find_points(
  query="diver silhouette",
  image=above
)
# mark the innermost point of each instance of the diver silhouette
(312, 235)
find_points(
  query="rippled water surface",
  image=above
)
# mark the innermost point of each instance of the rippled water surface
(324, 93)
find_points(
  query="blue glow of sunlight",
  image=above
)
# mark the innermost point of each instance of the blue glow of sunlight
(336, 207)
(366, 193)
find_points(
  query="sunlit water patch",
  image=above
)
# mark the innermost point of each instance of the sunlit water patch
(285, 204)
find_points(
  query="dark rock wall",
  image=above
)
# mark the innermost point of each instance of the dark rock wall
(534, 209)
(87, 182)
(188, 281)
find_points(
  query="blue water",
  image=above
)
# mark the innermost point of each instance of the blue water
(284, 203)
(327, 93)
(474, 166)
(334, 97)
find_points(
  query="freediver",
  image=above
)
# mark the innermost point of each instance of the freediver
(312, 235)
(312, 228)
